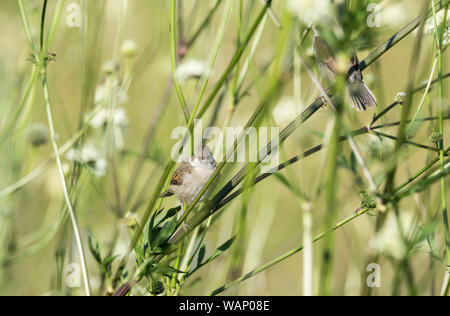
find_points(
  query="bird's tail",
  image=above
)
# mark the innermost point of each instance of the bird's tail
(165, 194)
(360, 95)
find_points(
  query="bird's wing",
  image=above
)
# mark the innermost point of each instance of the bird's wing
(177, 177)
(325, 59)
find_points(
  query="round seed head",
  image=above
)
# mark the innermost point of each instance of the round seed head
(37, 134)
(435, 137)
(110, 67)
(131, 219)
(157, 287)
(400, 97)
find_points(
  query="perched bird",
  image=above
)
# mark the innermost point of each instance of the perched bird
(190, 177)
(358, 93)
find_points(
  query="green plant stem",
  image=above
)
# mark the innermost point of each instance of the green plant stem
(380, 50)
(234, 61)
(44, 10)
(222, 194)
(295, 159)
(439, 42)
(161, 107)
(406, 108)
(420, 172)
(173, 283)
(173, 59)
(406, 141)
(288, 254)
(393, 105)
(53, 27)
(43, 62)
(171, 164)
(12, 121)
(317, 104)
(422, 101)
(76, 230)
(41, 168)
(399, 193)
(203, 25)
(213, 94)
(212, 61)
(27, 27)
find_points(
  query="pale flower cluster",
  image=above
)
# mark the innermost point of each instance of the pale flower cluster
(428, 28)
(103, 92)
(100, 118)
(285, 111)
(191, 68)
(309, 11)
(89, 156)
(389, 240)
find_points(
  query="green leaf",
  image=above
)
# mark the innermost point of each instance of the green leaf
(353, 163)
(107, 261)
(145, 269)
(95, 249)
(201, 255)
(170, 213)
(165, 269)
(224, 247)
(140, 256)
(150, 228)
(434, 249)
(166, 231)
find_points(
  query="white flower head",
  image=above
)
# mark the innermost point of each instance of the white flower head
(191, 68)
(89, 156)
(37, 134)
(118, 117)
(285, 111)
(129, 48)
(102, 93)
(309, 11)
(429, 28)
(110, 67)
(395, 14)
(389, 239)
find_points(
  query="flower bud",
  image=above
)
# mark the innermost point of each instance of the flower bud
(400, 97)
(435, 138)
(129, 48)
(131, 219)
(157, 288)
(110, 67)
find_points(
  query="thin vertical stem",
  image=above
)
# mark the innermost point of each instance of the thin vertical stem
(26, 25)
(41, 39)
(173, 58)
(75, 227)
(439, 33)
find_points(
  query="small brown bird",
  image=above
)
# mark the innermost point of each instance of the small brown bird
(190, 177)
(358, 93)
